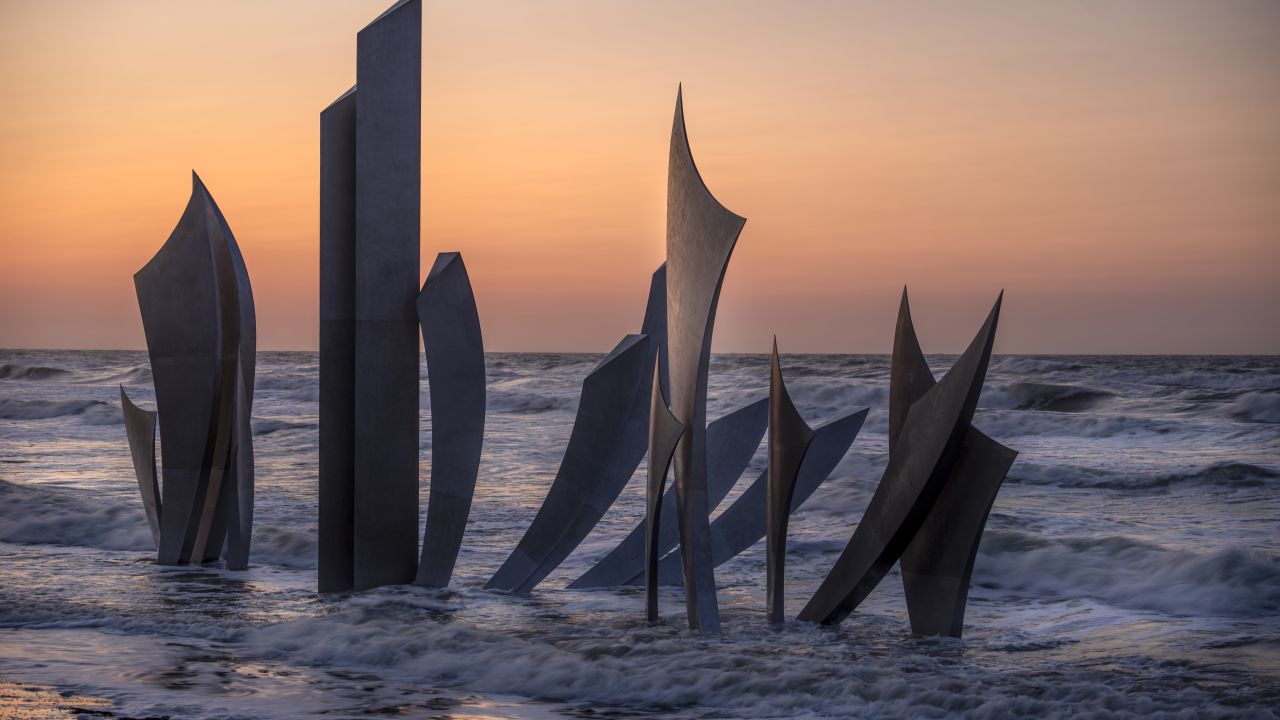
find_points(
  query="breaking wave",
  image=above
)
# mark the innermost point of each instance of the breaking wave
(1006, 424)
(1023, 365)
(287, 547)
(18, 371)
(1128, 573)
(1217, 475)
(1043, 396)
(1263, 407)
(92, 412)
(39, 515)
(268, 426)
(133, 376)
(519, 402)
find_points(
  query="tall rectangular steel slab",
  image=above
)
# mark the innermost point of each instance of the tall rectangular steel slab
(337, 343)
(388, 190)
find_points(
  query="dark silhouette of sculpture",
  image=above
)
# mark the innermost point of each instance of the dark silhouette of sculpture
(743, 523)
(927, 443)
(701, 235)
(731, 441)
(198, 315)
(664, 432)
(336, 546)
(789, 439)
(937, 564)
(455, 372)
(370, 190)
(605, 448)
(140, 427)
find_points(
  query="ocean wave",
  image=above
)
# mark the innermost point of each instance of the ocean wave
(1006, 424)
(837, 395)
(521, 402)
(1035, 365)
(40, 515)
(1218, 475)
(804, 672)
(1212, 380)
(92, 412)
(1044, 396)
(18, 371)
(294, 386)
(1263, 407)
(1128, 573)
(267, 426)
(284, 546)
(134, 376)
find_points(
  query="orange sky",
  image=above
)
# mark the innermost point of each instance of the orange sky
(1115, 166)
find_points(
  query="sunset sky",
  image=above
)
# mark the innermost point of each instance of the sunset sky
(1113, 166)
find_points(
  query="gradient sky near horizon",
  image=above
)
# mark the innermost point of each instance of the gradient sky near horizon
(1113, 166)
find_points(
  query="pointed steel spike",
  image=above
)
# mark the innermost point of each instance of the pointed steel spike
(789, 439)
(701, 235)
(743, 523)
(664, 433)
(731, 442)
(929, 442)
(605, 447)
(140, 428)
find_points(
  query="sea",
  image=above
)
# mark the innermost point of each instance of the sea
(1130, 567)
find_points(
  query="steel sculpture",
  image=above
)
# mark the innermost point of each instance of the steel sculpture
(789, 439)
(336, 567)
(743, 523)
(455, 372)
(388, 191)
(938, 563)
(701, 235)
(198, 316)
(929, 440)
(605, 446)
(370, 189)
(140, 428)
(664, 433)
(731, 441)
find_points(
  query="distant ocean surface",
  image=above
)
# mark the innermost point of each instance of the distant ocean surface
(1131, 566)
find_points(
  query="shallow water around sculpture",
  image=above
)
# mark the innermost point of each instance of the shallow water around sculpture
(1131, 564)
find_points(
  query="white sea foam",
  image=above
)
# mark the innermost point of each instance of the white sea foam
(1129, 573)
(63, 516)
(1263, 407)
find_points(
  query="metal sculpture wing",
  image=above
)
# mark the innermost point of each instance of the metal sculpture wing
(664, 432)
(937, 564)
(731, 441)
(789, 440)
(929, 440)
(701, 235)
(455, 372)
(140, 427)
(605, 447)
(743, 523)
